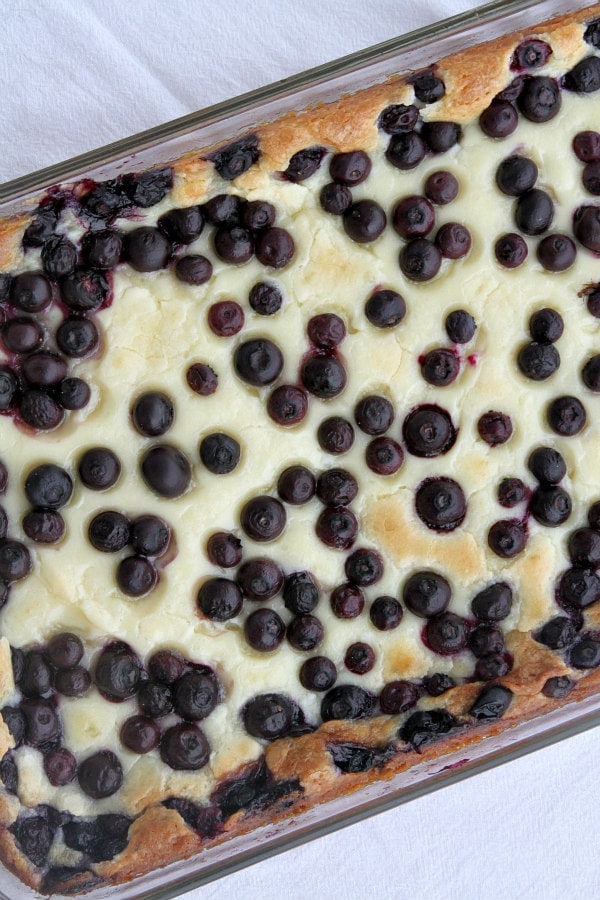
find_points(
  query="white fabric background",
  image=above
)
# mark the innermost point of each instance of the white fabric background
(76, 74)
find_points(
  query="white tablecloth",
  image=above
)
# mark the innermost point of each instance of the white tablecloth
(79, 74)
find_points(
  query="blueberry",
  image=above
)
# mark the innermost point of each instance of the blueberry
(146, 249)
(446, 633)
(36, 678)
(350, 168)
(196, 694)
(182, 225)
(437, 684)
(193, 269)
(453, 240)
(84, 290)
(398, 118)
(540, 99)
(558, 687)
(385, 309)
(236, 158)
(547, 465)
(384, 456)
(258, 362)
(224, 209)
(441, 187)
(59, 257)
(441, 503)
(155, 699)
(43, 728)
(22, 335)
(578, 588)
(428, 431)
(44, 526)
(99, 468)
(492, 666)
(566, 416)
(584, 77)
(264, 630)
(460, 326)
(263, 518)
(413, 217)
(305, 632)
(30, 292)
(584, 547)
(166, 471)
(202, 379)
(43, 369)
(77, 337)
(326, 331)
(224, 549)
(420, 260)
(493, 603)
(335, 435)
(347, 601)
(586, 227)
(220, 453)
(364, 567)
(348, 701)
(100, 775)
(60, 766)
(398, 696)
(136, 576)
(406, 150)
(300, 593)
(323, 376)
(225, 318)
(556, 252)
(109, 531)
(148, 188)
(507, 538)
(42, 225)
(287, 405)
(511, 250)
(102, 249)
(516, 175)
(265, 298)
(557, 633)
(426, 594)
(34, 836)
(296, 485)
(149, 536)
(64, 650)
(499, 120)
(485, 640)
(428, 725)
(385, 613)
(359, 658)
(73, 393)
(538, 361)
(270, 716)
(318, 673)
(335, 199)
(337, 528)
(106, 200)
(336, 487)
(304, 163)
(585, 651)
(440, 366)
(74, 682)
(364, 221)
(15, 721)
(259, 578)
(428, 87)
(233, 244)
(494, 428)
(491, 703)
(275, 247)
(530, 54)
(550, 506)
(546, 325)
(15, 561)
(118, 672)
(592, 33)
(166, 666)
(441, 136)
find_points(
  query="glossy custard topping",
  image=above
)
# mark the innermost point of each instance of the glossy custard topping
(309, 445)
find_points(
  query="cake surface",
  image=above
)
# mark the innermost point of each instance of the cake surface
(153, 326)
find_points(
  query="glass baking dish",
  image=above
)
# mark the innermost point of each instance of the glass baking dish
(224, 121)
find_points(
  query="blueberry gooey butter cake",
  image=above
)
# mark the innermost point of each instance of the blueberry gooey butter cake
(299, 459)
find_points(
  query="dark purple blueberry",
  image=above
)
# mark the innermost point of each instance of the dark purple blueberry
(318, 674)
(558, 687)
(100, 775)
(350, 168)
(586, 146)
(511, 250)
(36, 678)
(491, 703)
(109, 531)
(557, 633)
(22, 335)
(499, 120)
(584, 547)
(507, 538)
(566, 416)
(540, 99)
(224, 549)
(237, 157)
(59, 257)
(335, 435)
(34, 836)
(385, 309)
(259, 578)
(265, 298)
(546, 325)
(398, 118)
(440, 366)
(534, 211)
(155, 699)
(17, 657)
(44, 369)
(385, 613)
(44, 526)
(15, 561)
(15, 721)
(166, 471)
(440, 503)
(556, 252)
(74, 682)
(196, 694)
(42, 722)
(149, 536)
(166, 666)
(264, 630)
(296, 485)
(287, 405)
(136, 576)
(426, 593)
(326, 331)
(441, 136)
(275, 247)
(578, 588)
(584, 77)
(305, 632)
(586, 226)
(460, 326)
(263, 518)
(428, 431)
(364, 567)
(364, 221)
(148, 188)
(258, 362)
(446, 633)
(84, 290)
(347, 601)
(384, 456)
(184, 747)
(493, 603)
(591, 177)
(99, 468)
(594, 515)
(300, 593)
(106, 200)
(492, 666)
(182, 225)
(73, 393)
(405, 151)
(420, 260)
(202, 379)
(550, 506)
(193, 269)
(530, 54)
(304, 163)
(453, 240)
(30, 292)
(335, 199)
(585, 651)
(153, 413)
(139, 734)
(413, 217)
(437, 684)
(547, 465)
(224, 209)
(592, 33)
(398, 696)
(538, 361)
(60, 766)
(220, 453)
(323, 376)
(77, 337)
(118, 672)
(441, 188)
(146, 249)
(270, 716)
(359, 658)
(348, 701)
(426, 726)
(336, 487)
(494, 428)
(516, 175)
(485, 639)
(337, 528)
(102, 249)
(64, 650)
(225, 318)
(428, 87)
(233, 244)
(42, 225)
